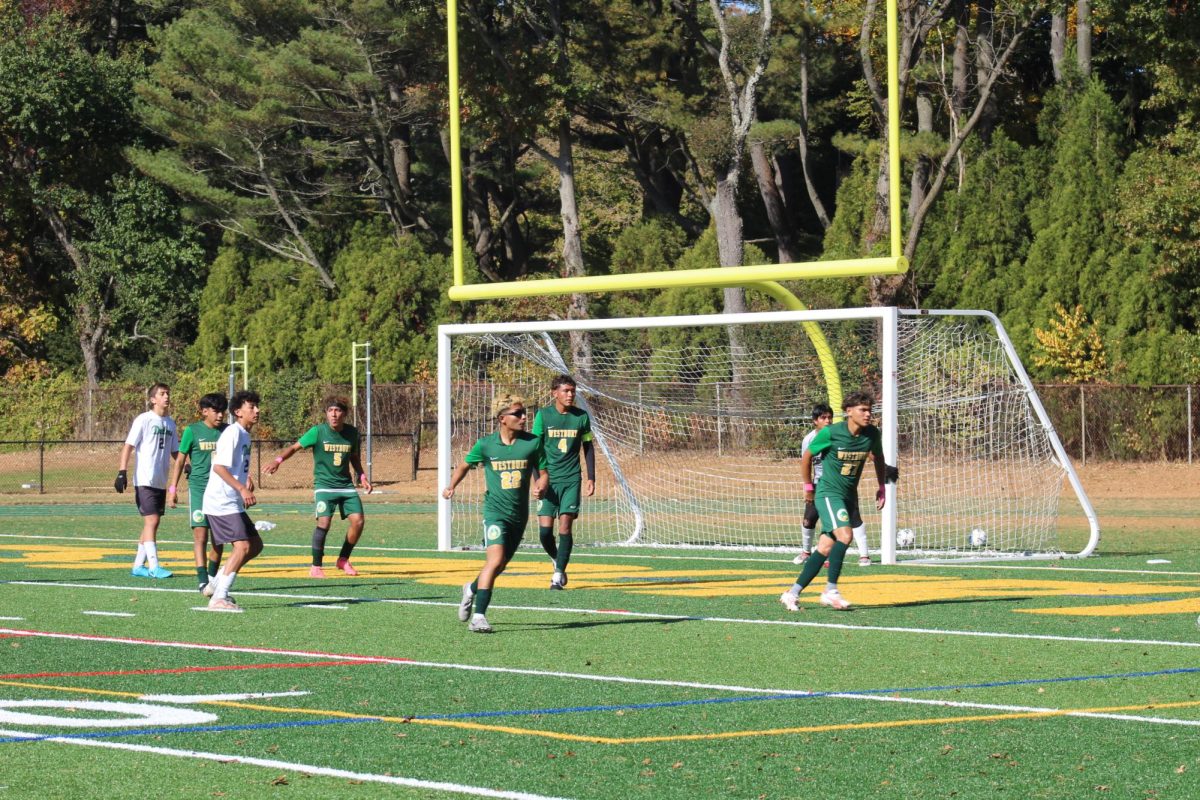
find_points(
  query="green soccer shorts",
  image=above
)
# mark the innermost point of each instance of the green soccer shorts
(560, 498)
(196, 507)
(837, 512)
(346, 504)
(504, 532)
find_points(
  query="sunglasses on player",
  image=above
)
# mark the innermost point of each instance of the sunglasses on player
(520, 412)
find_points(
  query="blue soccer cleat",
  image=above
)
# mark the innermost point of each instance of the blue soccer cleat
(159, 572)
(140, 572)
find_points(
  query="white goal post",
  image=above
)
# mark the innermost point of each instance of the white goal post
(698, 422)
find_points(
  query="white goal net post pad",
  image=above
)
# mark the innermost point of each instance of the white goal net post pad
(699, 419)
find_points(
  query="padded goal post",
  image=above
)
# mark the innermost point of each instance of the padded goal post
(698, 423)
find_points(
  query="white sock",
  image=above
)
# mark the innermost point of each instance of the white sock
(806, 535)
(860, 539)
(224, 583)
(795, 590)
(151, 549)
(140, 558)
(831, 587)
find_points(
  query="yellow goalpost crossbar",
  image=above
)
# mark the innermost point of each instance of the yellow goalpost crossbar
(763, 277)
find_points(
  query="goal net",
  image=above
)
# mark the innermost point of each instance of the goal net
(698, 425)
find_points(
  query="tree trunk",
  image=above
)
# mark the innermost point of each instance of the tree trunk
(1083, 36)
(777, 211)
(802, 139)
(572, 253)
(1058, 40)
(920, 174)
(985, 60)
(959, 94)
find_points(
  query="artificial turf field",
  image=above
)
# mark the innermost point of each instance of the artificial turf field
(657, 674)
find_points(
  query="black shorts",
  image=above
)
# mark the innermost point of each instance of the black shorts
(229, 528)
(150, 501)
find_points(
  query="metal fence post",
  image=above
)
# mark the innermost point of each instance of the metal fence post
(42, 463)
(1189, 416)
(1082, 428)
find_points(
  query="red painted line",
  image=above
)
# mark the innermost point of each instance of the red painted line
(179, 670)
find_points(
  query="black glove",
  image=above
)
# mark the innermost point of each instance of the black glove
(121, 482)
(891, 474)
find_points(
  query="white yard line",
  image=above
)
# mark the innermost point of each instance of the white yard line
(644, 615)
(109, 613)
(307, 769)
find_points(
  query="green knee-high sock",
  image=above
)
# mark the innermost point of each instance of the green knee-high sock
(546, 535)
(483, 598)
(318, 546)
(347, 548)
(202, 575)
(565, 543)
(213, 568)
(812, 567)
(836, 556)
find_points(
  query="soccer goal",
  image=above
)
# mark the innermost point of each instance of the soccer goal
(699, 420)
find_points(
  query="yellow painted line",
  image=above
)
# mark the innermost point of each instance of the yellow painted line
(70, 689)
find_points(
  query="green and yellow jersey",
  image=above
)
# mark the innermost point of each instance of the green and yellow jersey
(844, 455)
(563, 435)
(507, 471)
(331, 452)
(198, 443)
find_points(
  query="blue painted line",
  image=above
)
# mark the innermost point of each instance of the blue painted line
(806, 695)
(114, 734)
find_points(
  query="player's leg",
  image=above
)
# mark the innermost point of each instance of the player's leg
(152, 504)
(352, 510)
(324, 516)
(832, 513)
(837, 553)
(236, 531)
(568, 509)
(199, 543)
(807, 529)
(547, 510)
(502, 540)
(860, 539)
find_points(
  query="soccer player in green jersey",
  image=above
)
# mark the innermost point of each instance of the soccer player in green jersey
(196, 445)
(564, 430)
(513, 461)
(844, 448)
(336, 464)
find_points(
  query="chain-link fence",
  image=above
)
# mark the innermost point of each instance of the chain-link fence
(1095, 423)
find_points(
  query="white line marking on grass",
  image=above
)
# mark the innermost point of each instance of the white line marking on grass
(109, 613)
(648, 615)
(188, 699)
(308, 769)
(318, 605)
(13, 619)
(783, 564)
(620, 679)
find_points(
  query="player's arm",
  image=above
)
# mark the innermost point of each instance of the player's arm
(359, 473)
(589, 461)
(287, 453)
(181, 458)
(541, 474)
(131, 441)
(246, 492)
(475, 456)
(806, 470)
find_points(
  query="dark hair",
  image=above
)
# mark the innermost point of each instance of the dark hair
(215, 401)
(240, 399)
(561, 380)
(338, 402)
(153, 390)
(857, 399)
(820, 409)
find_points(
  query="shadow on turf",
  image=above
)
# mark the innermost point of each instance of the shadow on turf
(558, 626)
(956, 601)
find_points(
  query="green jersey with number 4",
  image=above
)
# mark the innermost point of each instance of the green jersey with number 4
(507, 472)
(198, 443)
(844, 456)
(563, 435)
(331, 452)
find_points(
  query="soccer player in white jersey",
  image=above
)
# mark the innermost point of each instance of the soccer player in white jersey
(229, 493)
(154, 438)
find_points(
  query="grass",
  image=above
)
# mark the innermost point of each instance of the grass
(656, 674)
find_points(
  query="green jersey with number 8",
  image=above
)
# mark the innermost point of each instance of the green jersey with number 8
(844, 454)
(507, 471)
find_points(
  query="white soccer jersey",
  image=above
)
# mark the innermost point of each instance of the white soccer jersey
(154, 441)
(817, 457)
(233, 453)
